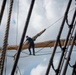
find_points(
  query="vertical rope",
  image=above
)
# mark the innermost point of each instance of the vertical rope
(17, 21)
(75, 3)
(5, 65)
(5, 39)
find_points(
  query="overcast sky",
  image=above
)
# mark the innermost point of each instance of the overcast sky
(45, 13)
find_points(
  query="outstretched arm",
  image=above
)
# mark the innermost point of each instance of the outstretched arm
(25, 42)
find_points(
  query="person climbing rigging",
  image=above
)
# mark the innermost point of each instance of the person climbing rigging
(31, 44)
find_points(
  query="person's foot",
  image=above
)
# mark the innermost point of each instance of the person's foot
(30, 54)
(34, 54)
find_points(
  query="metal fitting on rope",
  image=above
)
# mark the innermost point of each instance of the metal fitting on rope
(57, 71)
(53, 67)
(63, 48)
(70, 26)
(71, 65)
(60, 44)
(67, 20)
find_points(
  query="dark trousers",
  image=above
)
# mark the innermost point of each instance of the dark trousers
(31, 46)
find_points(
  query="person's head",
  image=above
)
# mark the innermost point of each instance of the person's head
(27, 36)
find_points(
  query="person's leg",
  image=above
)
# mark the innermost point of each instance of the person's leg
(33, 50)
(29, 49)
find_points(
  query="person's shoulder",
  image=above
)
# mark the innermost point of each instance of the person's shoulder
(30, 37)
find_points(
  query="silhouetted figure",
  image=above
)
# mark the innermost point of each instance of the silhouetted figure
(31, 44)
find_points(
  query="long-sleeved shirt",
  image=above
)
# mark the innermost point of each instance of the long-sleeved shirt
(30, 40)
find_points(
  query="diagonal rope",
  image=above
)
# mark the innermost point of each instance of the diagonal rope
(58, 19)
(23, 36)
(2, 10)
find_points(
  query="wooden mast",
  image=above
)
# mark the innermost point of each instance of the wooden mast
(49, 43)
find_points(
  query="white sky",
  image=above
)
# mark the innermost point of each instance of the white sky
(45, 13)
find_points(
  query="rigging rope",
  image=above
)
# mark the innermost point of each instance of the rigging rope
(2, 10)
(17, 21)
(23, 36)
(17, 68)
(58, 37)
(59, 19)
(42, 48)
(5, 65)
(72, 30)
(5, 39)
(40, 54)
